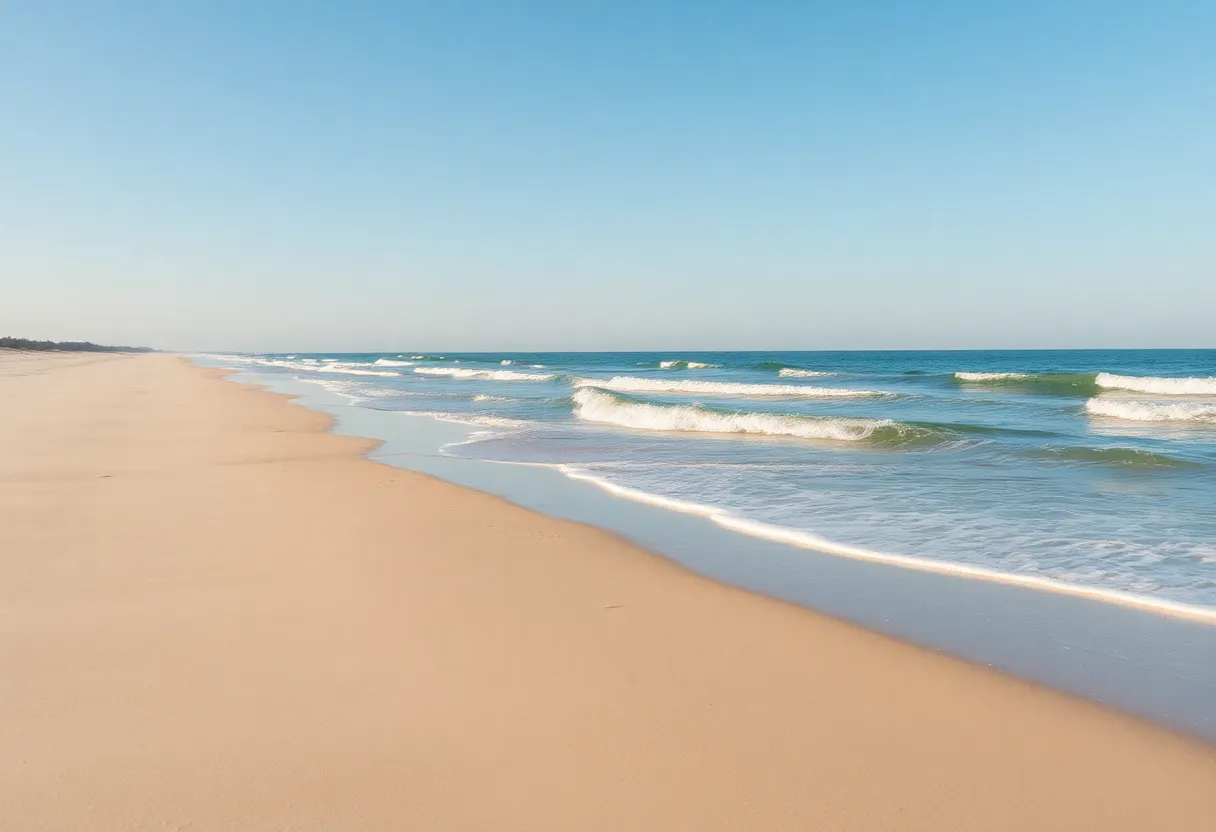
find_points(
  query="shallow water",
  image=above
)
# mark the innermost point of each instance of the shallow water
(1091, 470)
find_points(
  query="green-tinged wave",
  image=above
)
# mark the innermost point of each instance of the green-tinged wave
(1124, 457)
(594, 404)
(982, 430)
(1046, 384)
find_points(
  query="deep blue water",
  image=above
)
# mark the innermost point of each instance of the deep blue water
(1093, 469)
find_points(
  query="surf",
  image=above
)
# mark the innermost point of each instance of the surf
(1049, 384)
(1152, 411)
(489, 375)
(809, 540)
(632, 384)
(679, 364)
(1192, 386)
(593, 404)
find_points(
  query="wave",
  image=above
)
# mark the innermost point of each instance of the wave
(351, 371)
(1152, 411)
(388, 362)
(491, 375)
(808, 540)
(1160, 386)
(595, 405)
(789, 370)
(686, 365)
(1050, 384)
(353, 390)
(478, 419)
(1126, 457)
(991, 376)
(794, 372)
(631, 384)
(1090, 384)
(311, 365)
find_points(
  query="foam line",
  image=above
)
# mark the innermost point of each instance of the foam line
(807, 540)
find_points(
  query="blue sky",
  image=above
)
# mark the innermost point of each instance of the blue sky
(267, 175)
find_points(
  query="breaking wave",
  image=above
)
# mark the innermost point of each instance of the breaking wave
(388, 362)
(1160, 386)
(794, 372)
(686, 365)
(631, 384)
(1090, 384)
(1152, 411)
(311, 365)
(491, 375)
(596, 405)
(1048, 384)
(991, 376)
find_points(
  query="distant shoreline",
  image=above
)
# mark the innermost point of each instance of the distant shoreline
(27, 345)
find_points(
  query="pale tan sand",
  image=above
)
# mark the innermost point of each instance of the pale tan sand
(216, 615)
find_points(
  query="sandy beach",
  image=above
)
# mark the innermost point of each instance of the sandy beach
(215, 614)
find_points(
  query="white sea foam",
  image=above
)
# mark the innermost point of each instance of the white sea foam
(481, 420)
(491, 375)
(1151, 411)
(506, 362)
(352, 371)
(1160, 386)
(353, 390)
(791, 372)
(388, 362)
(808, 540)
(595, 405)
(990, 376)
(677, 364)
(310, 365)
(344, 367)
(631, 384)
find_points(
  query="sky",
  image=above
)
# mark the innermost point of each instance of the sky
(266, 175)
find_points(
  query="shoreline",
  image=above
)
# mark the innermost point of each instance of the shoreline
(337, 642)
(1142, 662)
(807, 540)
(812, 542)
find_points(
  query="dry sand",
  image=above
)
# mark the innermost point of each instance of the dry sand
(216, 615)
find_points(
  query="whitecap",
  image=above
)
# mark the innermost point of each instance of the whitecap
(1160, 386)
(631, 384)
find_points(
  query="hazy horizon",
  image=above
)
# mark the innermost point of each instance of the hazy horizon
(481, 177)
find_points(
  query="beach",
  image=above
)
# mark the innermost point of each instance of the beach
(214, 613)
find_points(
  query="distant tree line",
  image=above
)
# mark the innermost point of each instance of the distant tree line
(63, 346)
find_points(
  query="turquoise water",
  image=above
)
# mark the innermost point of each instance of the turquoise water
(1083, 471)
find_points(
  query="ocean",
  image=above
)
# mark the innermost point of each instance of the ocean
(1091, 472)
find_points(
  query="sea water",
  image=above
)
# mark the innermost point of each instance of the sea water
(1091, 472)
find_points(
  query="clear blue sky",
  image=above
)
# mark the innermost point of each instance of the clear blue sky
(246, 174)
